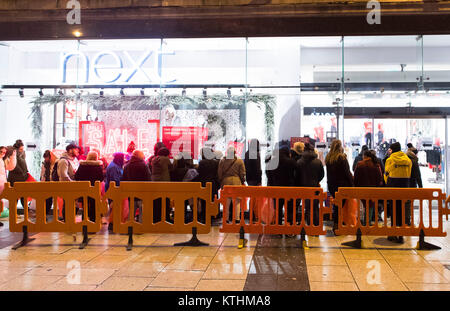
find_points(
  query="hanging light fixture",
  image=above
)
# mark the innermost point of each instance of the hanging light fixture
(205, 94)
(21, 93)
(102, 93)
(41, 93)
(122, 92)
(229, 93)
(183, 93)
(142, 92)
(60, 92)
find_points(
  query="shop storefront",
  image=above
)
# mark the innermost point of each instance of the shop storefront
(225, 91)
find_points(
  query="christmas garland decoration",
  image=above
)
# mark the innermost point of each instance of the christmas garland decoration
(157, 102)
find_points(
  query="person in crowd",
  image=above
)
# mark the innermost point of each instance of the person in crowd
(253, 172)
(207, 172)
(66, 167)
(46, 174)
(156, 148)
(184, 171)
(359, 157)
(20, 172)
(368, 174)
(161, 167)
(284, 176)
(309, 173)
(338, 173)
(182, 164)
(231, 171)
(68, 163)
(137, 170)
(101, 158)
(8, 161)
(416, 178)
(397, 175)
(90, 170)
(297, 150)
(252, 164)
(114, 172)
(131, 147)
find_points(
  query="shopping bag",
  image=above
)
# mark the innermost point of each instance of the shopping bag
(350, 212)
(267, 212)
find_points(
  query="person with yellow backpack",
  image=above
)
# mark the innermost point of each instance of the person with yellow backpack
(397, 175)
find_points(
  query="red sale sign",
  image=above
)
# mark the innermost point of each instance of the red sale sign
(92, 134)
(184, 139)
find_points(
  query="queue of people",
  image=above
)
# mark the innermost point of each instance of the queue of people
(298, 166)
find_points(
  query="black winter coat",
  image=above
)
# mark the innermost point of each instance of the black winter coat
(90, 171)
(207, 172)
(283, 175)
(136, 170)
(253, 170)
(416, 177)
(309, 170)
(339, 175)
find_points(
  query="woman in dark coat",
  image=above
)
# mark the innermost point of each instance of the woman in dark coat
(368, 174)
(416, 178)
(338, 173)
(309, 173)
(207, 172)
(252, 164)
(90, 170)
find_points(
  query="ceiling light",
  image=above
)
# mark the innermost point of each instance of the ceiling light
(77, 33)
(122, 92)
(41, 93)
(142, 92)
(21, 93)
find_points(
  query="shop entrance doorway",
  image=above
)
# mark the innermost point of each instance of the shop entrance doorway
(429, 135)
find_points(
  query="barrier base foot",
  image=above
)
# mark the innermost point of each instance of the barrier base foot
(84, 244)
(422, 245)
(23, 243)
(86, 239)
(130, 239)
(194, 241)
(426, 246)
(356, 243)
(25, 239)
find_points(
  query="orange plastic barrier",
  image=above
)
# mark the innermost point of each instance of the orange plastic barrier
(395, 200)
(146, 197)
(261, 198)
(70, 192)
